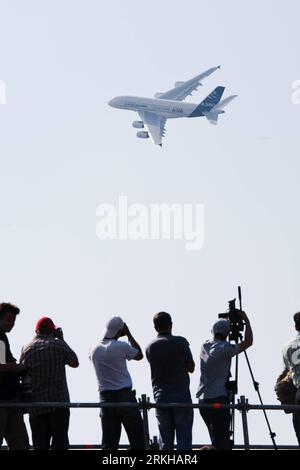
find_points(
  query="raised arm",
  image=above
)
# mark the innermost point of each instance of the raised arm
(133, 343)
(248, 339)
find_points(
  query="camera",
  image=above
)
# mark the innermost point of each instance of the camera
(25, 388)
(236, 322)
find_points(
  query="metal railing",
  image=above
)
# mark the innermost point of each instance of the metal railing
(145, 405)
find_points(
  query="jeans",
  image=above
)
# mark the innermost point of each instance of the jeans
(296, 417)
(173, 421)
(49, 426)
(13, 429)
(113, 418)
(218, 423)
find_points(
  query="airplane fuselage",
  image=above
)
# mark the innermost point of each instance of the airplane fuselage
(166, 108)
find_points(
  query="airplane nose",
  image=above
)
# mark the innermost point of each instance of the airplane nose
(111, 102)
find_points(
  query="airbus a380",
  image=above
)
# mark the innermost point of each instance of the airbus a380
(154, 112)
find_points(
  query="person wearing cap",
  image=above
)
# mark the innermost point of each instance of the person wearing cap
(45, 358)
(171, 361)
(12, 426)
(291, 359)
(215, 362)
(109, 358)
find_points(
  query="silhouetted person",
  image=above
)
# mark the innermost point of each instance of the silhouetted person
(215, 362)
(45, 358)
(171, 361)
(291, 358)
(109, 357)
(12, 426)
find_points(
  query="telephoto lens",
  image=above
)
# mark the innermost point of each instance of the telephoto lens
(26, 388)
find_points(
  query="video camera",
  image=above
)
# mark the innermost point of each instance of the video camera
(236, 322)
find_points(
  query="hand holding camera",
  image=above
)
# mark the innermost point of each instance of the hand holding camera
(242, 314)
(126, 330)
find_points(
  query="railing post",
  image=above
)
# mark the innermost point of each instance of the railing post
(243, 401)
(144, 400)
(154, 443)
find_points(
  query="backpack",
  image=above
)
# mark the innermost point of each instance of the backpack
(286, 390)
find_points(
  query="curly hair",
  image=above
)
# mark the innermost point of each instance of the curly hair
(6, 307)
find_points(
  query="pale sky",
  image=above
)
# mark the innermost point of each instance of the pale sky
(64, 151)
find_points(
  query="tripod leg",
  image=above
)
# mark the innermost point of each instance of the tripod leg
(256, 388)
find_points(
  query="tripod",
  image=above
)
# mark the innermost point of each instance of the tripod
(233, 385)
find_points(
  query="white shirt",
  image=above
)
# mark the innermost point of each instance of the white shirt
(109, 359)
(215, 362)
(2, 353)
(291, 357)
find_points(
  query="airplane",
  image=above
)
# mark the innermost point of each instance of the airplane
(154, 112)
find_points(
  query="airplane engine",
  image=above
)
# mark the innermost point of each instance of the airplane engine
(142, 135)
(138, 124)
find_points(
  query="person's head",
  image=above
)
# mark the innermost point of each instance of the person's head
(297, 321)
(45, 327)
(8, 313)
(114, 328)
(221, 329)
(162, 322)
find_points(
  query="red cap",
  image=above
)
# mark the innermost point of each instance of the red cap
(45, 323)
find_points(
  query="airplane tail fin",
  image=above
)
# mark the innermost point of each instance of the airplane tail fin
(214, 113)
(209, 102)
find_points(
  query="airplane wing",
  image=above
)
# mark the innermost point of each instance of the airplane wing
(184, 89)
(155, 125)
